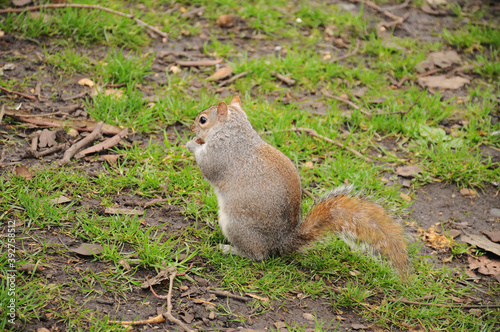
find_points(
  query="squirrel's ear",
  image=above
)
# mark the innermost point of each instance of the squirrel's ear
(236, 101)
(222, 111)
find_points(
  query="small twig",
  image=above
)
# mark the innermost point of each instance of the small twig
(103, 145)
(45, 114)
(313, 133)
(385, 12)
(168, 314)
(404, 111)
(232, 79)
(402, 81)
(348, 102)
(152, 320)
(199, 63)
(80, 95)
(284, 79)
(119, 85)
(53, 149)
(345, 56)
(401, 6)
(471, 306)
(227, 294)
(19, 93)
(80, 144)
(74, 5)
(156, 201)
(2, 113)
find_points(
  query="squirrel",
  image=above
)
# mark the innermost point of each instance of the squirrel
(258, 193)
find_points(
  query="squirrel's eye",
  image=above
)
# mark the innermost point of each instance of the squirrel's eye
(203, 120)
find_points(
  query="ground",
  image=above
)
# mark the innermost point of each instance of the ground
(136, 79)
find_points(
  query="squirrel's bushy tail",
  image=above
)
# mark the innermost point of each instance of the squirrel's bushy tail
(356, 218)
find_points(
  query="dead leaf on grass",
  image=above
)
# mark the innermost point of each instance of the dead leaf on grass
(30, 268)
(86, 82)
(111, 159)
(88, 249)
(356, 326)
(221, 73)
(408, 171)
(443, 82)
(20, 3)
(47, 138)
(481, 242)
(116, 93)
(227, 20)
(23, 172)
(493, 235)
(444, 59)
(433, 239)
(160, 277)
(60, 200)
(469, 193)
(484, 265)
(124, 211)
(405, 197)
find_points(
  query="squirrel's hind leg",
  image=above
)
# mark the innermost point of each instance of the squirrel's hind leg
(229, 249)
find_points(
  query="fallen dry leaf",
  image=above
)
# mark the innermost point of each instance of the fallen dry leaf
(481, 242)
(443, 82)
(117, 93)
(405, 197)
(60, 200)
(227, 20)
(484, 265)
(20, 3)
(469, 193)
(433, 239)
(112, 159)
(23, 172)
(47, 138)
(493, 235)
(88, 249)
(174, 69)
(86, 82)
(124, 211)
(159, 278)
(444, 59)
(408, 171)
(220, 74)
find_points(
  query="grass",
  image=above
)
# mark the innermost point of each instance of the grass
(112, 50)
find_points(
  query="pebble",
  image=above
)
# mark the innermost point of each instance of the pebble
(495, 212)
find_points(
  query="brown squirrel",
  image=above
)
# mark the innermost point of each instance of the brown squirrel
(259, 195)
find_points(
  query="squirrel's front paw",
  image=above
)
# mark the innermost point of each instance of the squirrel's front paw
(193, 145)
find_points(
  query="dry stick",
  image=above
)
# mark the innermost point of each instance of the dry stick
(18, 93)
(284, 79)
(80, 144)
(45, 114)
(232, 79)
(313, 133)
(49, 151)
(227, 294)
(348, 102)
(402, 112)
(2, 112)
(156, 201)
(74, 5)
(345, 56)
(80, 95)
(168, 314)
(103, 145)
(472, 306)
(380, 10)
(152, 320)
